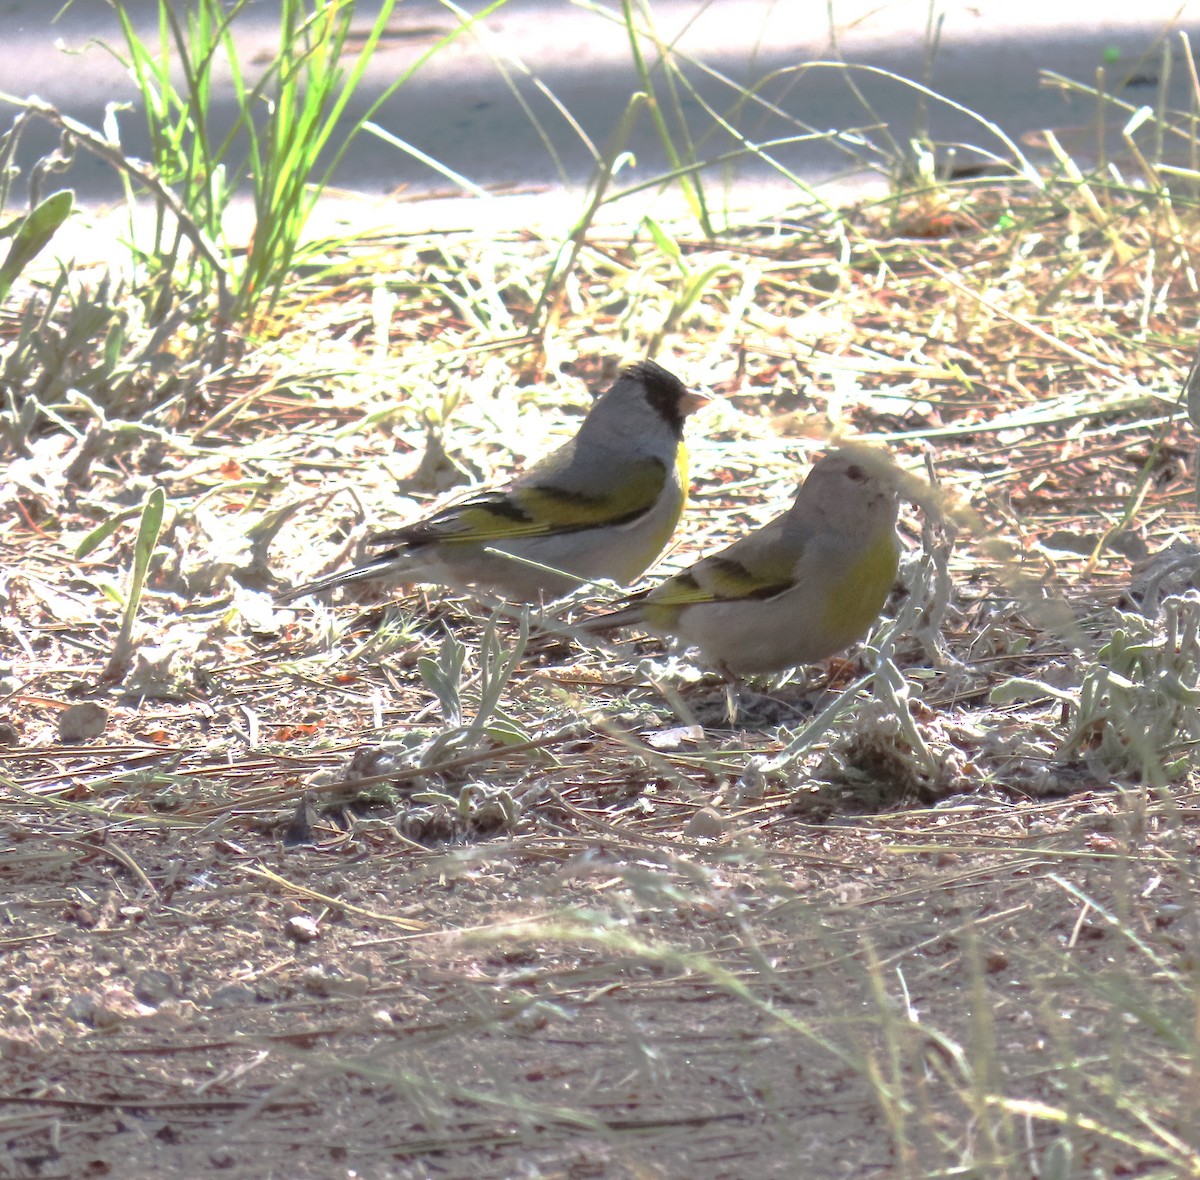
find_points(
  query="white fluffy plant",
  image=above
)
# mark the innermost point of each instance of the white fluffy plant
(1139, 703)
(1136, 711)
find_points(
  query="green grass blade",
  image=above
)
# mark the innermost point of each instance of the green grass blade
(143, 551)
(33, 235)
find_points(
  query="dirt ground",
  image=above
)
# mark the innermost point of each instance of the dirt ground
(597, 999)
(276, 905)
(245, 966)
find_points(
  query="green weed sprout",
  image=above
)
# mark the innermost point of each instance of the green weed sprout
(143, 550)
(31, 233)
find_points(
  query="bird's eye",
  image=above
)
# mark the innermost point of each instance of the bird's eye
(855, 473)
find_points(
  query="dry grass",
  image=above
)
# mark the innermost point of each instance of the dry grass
(285, 916)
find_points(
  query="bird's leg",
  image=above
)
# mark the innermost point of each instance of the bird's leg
(733, 694)
(755, 706)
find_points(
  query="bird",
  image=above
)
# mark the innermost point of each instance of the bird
(602, 506)
(799, 589)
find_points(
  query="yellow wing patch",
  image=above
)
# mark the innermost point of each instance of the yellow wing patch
(720, 579)
(637, 490)
(537, 510)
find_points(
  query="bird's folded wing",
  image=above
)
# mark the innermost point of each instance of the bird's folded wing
(726, 579)
(535, 510)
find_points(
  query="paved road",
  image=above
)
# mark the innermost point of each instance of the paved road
(461, 109)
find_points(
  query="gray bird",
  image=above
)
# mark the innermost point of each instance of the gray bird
(602, 506)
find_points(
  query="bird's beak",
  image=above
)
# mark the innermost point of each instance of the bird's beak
(696, 399)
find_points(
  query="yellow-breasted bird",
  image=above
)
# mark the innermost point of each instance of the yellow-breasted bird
(799, 589)
(603, 505)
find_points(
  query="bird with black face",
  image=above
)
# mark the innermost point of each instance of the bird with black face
(602, 506)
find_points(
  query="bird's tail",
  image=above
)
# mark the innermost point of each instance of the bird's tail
(628, 616)
(384, 564)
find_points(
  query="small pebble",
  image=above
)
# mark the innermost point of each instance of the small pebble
(302, 928)
(152, 987)
(706, 824)
(82, 722)
(232, 995)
